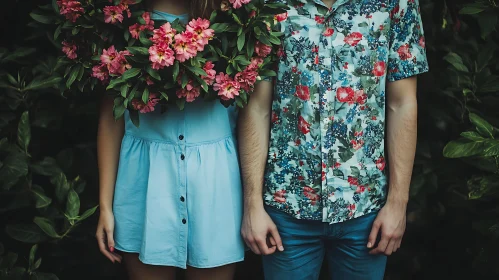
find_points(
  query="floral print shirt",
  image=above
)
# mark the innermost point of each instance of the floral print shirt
(326, 157)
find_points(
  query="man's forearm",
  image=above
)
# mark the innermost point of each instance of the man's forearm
(253, 140)
(401, 144)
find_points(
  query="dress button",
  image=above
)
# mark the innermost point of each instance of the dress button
(181, 137)
(184, 221)
(182, 199)
(182, 157)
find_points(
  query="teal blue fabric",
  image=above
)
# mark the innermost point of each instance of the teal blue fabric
(178, 195)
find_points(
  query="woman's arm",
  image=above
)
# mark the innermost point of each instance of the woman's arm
(109, 136)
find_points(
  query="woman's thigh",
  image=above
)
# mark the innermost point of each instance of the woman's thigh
(137, 270)
(225, 272)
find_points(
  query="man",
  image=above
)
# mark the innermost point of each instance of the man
(326, 191)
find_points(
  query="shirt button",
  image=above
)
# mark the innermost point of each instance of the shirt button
(182, 157)
(184, 221)
(181, 137)
(182, 199)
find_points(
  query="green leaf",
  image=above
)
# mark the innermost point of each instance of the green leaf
(134, 117)
(250, 47)
(41, 18)
(487, 22)
(355, 171)
(144, 40)
(115, 82)
(484, 187)
(491, 148)
(181, 104)
(15, 166)
(32, 253)
(37, 264)
(219, 27)
(196, 70)
(240, 41)
(153, 73)
(470, 10)
(267, 73)
(19, 53)
(27, 233)
(138, 50)
(462, 148)
(46, 226)
(44, 276)
(42, 84)
(455, 60)
(130, 73)
(145, 95)
(118, 108)
(124, 90)
(175, 70)
(12, 80)
(482, 126)
(490, 85)
(472, 135)
(73, 75)
(57, 32)
(41, 200)
(87, 213)
(24, 132)
(73, 204)
(61, 187)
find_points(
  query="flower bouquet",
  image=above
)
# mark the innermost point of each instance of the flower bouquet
(146, 64)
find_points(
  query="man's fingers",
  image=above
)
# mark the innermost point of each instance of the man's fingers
(374, 234)
(252, 245)
(391, 248)
(272, 241)
(277, 238)
(382, 245)
(264, 249)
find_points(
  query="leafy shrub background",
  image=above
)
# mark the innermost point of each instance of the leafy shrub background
(48, 175)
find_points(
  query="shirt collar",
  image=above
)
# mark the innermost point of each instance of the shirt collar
(335, 5)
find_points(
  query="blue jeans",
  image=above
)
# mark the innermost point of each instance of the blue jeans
(307, 242)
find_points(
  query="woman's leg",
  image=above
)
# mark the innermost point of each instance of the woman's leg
(225, 272)
(140, 271)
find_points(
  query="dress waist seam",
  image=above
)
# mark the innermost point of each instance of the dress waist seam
(200, 143)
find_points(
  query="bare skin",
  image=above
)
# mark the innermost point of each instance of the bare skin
(110, 134)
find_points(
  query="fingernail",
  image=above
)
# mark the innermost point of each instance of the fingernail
(369, 245)
(281, 248)
(111, 248)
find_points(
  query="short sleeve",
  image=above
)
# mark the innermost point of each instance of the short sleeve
(407, 54)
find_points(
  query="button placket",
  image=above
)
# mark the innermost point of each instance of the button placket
(182, 188)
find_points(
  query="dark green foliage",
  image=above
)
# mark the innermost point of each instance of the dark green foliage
(48, 178)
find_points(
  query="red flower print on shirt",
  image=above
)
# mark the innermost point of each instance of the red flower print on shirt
(360, 97)
(319, 19)
(353, 181)
(279, 196)
(357, 144)
(310, 194)
(345, 94)
(380, 163)
(379, 68)
(404, 52)
(302, 92)
(275, 117)
(303, 125)
(360, 189)
(353, 39)
(281, 17)
(329, 31)
(422, 42)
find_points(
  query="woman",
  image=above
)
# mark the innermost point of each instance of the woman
(175, 182)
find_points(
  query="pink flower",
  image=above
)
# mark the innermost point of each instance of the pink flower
(210, 77)
(113, 14)
(280, 196)
(146, 108)
(281, 17)
(149, 81)
(161, 56)
(226, 87)
(149, 23)
(108, 55)
(238, 3)
(100, 72)
(69, 49)
(262, 49)
(379, 68)
(164, 34)
(255, 62)
(72, 10)
(135, 30)
(184, 46)
(252, 14)
(247, 79)
(115, 61)
(124, 6)
(190, 93)
(380, 163)
(404, 52)
(201, 32)
(345, 94)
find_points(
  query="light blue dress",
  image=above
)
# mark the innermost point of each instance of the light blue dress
(178, 194)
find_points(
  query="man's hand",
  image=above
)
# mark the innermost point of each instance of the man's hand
(257, 227)
(391, 221)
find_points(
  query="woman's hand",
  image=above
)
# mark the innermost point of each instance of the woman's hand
(105, 231)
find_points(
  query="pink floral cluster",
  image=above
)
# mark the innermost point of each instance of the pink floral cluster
(229, 88)
(190, 92)
(69, 49)
(71, 9)
(169, 46)
(235, 3)
(112, 63)
(148, 107)
(113, 14)
(137, 27)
